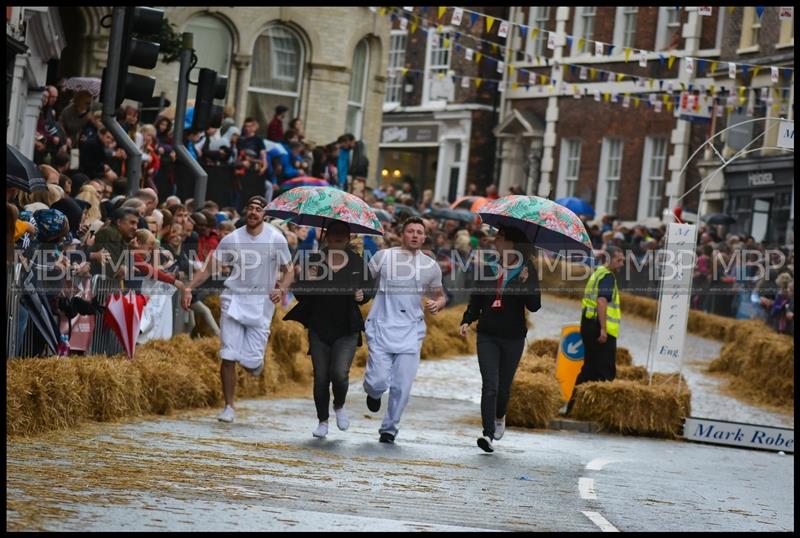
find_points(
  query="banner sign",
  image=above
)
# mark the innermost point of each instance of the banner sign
(721, 432)
(676, 267)
(786, 135)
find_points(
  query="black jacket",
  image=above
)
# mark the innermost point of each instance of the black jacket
(509, 321)
(328, 306)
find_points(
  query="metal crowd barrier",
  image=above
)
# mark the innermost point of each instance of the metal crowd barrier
(13, 295)
(104, 341)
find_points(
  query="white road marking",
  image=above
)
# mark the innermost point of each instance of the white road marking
(597, 464)
(600, 521)
(586, 488)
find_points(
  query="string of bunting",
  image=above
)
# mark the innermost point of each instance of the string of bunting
(700, 64)
(527, 78)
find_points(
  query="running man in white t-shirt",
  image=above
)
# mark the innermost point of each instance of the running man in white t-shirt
(395, 326)
(256, 253)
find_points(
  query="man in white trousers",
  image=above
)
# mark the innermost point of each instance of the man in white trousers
(395, 326)
(256, 253)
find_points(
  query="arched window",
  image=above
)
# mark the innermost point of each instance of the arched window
(358, 89)
(212, 43)
(276, 76)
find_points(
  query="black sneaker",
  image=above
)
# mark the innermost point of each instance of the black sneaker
(485, 443)
(387, 437)
(373, 404)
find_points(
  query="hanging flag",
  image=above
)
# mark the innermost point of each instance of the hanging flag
(575, 92)
(756, 69)
(458, 13)
(597, 95)
(440, 28)
(606, 97)
(759, 11)
(403, 23)
(665, 98)
(465, 82)
(510, 71)
(456, 36)
(592, 73)
(523, 31)
(584, 73)
(500, 66)
(551, 40)
(635, 102)
(543, 79)
(502, 31)
(473, 17)
(628, 51)
(514, 85)
(651, 98)
(661, 85)
(446, 43)
(581, 41)
(731, 70)
(458, 47)
(598, 48)
(610, 49)
(787, 74)
(701, 66)
(714, 65)
(489, 23)
(689, 65)
(670, 61)
(704, 11)
(442, 11)
(774, 74)
(745, 69)
(642, 58)
(469, 54)
(662, 59)
(786, 13)
(669, 106)
(414, 27)
(651, 82)
(477, 57)
(434, 40)
(478, 82)
(620, 76)
(404, 70)
(381, 11)
(534, 33)
(731, 9)
(409, 9)
(494, 48)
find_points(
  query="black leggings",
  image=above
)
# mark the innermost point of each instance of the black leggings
(331, 367)
(498, 359)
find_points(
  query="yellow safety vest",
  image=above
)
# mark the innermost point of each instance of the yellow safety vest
(589, 303)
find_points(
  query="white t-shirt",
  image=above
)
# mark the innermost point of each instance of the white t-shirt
(255, 262)
(403, 280)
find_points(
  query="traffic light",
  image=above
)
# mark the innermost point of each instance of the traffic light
(134, 52)
(210, 86)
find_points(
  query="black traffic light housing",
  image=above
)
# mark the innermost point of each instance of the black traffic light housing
(210, 86)
(143, 21)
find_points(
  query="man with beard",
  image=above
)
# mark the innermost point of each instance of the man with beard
(255, 253)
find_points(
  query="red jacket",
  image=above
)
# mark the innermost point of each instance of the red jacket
(146, 269)
(275, 130)
(207, 244)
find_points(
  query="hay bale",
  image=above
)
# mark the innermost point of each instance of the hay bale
(533, 364)
(442, 339)
(633, 408)
(761, 363)
(212, 302)
(115, 387)
(544, 346)
(535, 400)
(624, 357)
(632, 373)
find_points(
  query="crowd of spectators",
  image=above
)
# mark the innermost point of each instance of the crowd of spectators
(86, 219)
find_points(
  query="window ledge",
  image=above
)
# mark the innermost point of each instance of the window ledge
(747, 50)
(788, 45)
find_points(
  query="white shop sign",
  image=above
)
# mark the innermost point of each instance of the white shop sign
(722, 432)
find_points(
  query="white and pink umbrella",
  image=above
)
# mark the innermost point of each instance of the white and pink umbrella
(89, 84)
(124, 315)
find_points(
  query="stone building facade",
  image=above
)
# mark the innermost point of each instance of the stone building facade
(327, 64)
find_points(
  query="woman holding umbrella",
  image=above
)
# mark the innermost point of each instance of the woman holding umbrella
(329, 295)
(499, 306)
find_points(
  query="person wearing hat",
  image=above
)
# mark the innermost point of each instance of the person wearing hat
(256, 253)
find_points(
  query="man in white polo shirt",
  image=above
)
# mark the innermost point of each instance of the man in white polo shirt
(395, 326)
(256, 253)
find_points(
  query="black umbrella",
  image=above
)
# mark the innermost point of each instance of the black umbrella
(21, 172)
(40, 314)
(718, 218)
(383, 215)
(402, 210)
(445, 213)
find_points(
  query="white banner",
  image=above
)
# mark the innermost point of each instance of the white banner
(722, 432)
(457, 14)
(786, 135)
(676, 268)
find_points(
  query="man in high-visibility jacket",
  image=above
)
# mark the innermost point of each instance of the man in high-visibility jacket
(600, 320)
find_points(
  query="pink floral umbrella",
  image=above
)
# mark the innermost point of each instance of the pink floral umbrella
(547, 224)
(320, 206)
(89, 84)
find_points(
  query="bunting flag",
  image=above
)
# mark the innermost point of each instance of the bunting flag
(756, 69)
(502, 30)
(477, 57)
(759, 11)
(670, 61)
(414, 27)
(465, 82)
(597, 95)
(404, 70)
(745, 69)
(731, 70)
(458, 13)
(403, 23)
(642, 58)
(478, 83)
(581, 41)
(592, 73)
(569, 41)
(628, 51)
(523, 31)
(500, 66)
(620, 76)
(598, 48)
(610, 49)
(489, 23)
(446, 43)
(701, 66)
(473, 17)
(495, 50)
(468, 55)
(773, 74)
(689, 65)
(606, 97)
(584, 73)
(442, 11)
(635, 102)
(511, 71)
(714, 65)
(534, 33)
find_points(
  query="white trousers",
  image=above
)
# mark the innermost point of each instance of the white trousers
(394, 372)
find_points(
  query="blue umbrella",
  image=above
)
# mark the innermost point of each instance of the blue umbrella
(577, 206)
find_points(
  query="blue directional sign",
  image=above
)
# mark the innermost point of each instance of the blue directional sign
(572, 346)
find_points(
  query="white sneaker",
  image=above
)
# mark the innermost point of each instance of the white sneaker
(227, 415)
(342, 422)
(321, 431)
(485, 443)
(499, 427)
